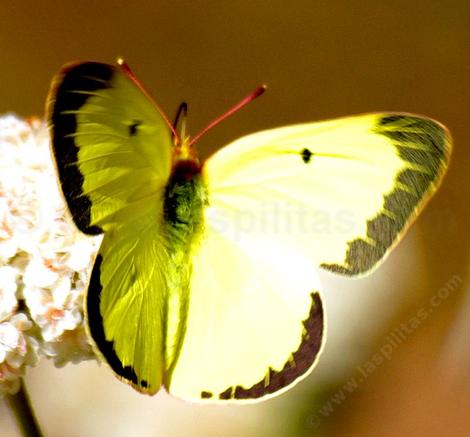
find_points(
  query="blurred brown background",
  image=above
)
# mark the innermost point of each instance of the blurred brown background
(320, 59)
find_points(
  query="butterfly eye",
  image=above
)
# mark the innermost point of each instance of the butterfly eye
(306, 155)
(133, 127)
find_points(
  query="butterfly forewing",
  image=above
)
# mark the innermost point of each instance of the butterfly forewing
(342, 192)
(112, 147)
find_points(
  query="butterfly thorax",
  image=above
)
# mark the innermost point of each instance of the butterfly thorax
(184, 196)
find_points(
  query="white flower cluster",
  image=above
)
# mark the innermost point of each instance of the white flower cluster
(44, 261)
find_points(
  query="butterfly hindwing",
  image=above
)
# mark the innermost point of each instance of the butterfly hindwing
(342, 192)
(125, 302)
(255, 323)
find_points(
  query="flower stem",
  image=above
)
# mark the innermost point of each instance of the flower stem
(24, 414)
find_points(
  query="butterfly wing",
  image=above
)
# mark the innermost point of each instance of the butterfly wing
(342, 192)
(112, 150)
(338, 194)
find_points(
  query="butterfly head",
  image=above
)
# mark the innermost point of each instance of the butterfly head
(183, 148)
(184, 151)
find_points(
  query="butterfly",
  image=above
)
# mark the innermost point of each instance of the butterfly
(205, 281)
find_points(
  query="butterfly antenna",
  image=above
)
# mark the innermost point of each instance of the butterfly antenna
(125, 67)
(249, 98)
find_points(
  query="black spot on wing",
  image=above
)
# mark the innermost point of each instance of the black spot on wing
(70, 93)
(206, 395)
(95, 324)
(306, 155)
(302, 359)
(425, 145)
(133, 128)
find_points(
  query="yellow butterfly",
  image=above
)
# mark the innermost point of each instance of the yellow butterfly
(205, 280)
